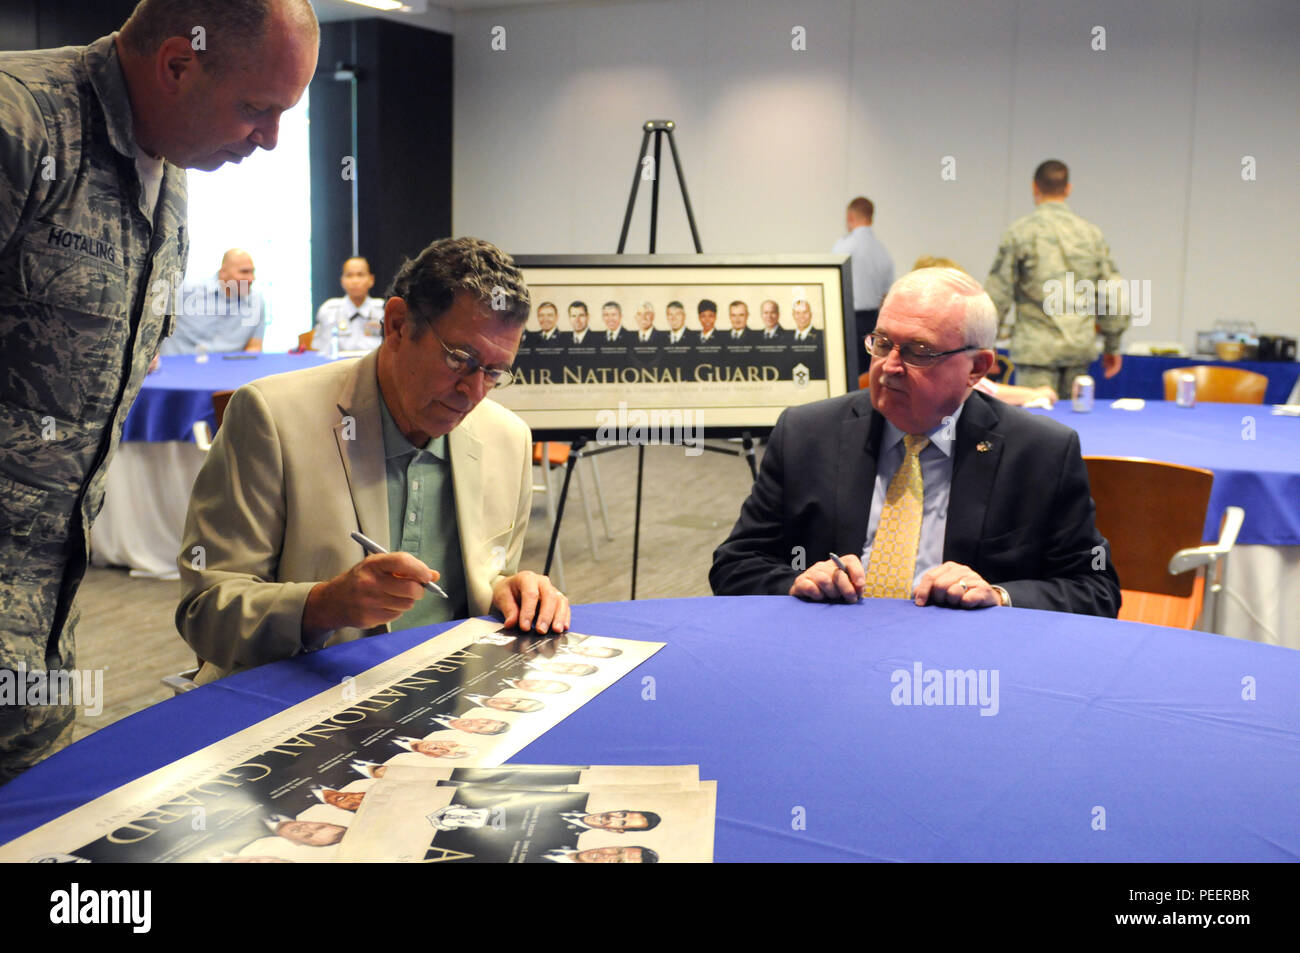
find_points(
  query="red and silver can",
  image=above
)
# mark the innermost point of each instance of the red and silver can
(1185, 396)
(1082, 393)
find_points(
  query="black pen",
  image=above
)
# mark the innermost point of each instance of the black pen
(374, 549)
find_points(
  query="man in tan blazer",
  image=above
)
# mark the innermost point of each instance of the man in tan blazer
(268, 568)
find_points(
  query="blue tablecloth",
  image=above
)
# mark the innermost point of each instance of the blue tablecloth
(1260, 474)
(180, 392)
(1142, 376)
(788, 705)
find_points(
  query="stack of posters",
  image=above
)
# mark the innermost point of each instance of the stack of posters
(289, 788)
(532, 814)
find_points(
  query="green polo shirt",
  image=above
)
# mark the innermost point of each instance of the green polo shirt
(422, 520)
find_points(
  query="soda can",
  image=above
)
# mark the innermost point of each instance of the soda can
(1186, 393)
(1082, 393)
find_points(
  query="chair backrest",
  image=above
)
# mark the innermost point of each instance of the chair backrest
(1148, 511)
(1219, 385)
(304, 340)
(219, 401)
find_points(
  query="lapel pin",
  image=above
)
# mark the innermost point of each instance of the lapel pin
(983, 446)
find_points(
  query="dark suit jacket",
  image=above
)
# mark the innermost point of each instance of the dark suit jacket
(1019, 512)
(657, 339)
(590, 339)
(814, 338)
(534, 338)
(750, 337)
(690, 338)
(783, 336)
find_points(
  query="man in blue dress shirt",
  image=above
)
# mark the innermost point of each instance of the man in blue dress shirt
(873, 269)
(221, 313)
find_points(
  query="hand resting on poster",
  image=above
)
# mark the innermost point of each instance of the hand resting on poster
(381, 588)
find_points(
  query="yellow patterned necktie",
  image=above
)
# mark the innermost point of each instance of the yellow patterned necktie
(893, 554)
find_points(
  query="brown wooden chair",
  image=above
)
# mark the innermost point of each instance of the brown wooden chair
(1219, 385)
(202, 435)
(304, 340)
(1153, 515)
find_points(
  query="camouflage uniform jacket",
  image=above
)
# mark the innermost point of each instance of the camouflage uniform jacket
(1037, 250)
(85, 299)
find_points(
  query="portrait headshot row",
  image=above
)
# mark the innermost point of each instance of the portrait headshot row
(318, 826)
(766, 324)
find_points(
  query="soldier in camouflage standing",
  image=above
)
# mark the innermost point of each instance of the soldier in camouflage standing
(1043, 256)
(93, 246)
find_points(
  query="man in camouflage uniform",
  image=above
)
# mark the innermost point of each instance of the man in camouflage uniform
(93, 246)
(1042, 258)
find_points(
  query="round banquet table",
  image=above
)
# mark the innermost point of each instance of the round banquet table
(788, 706)
(147, 488)
(179, 393)
(1142, 375)
(1255, 456)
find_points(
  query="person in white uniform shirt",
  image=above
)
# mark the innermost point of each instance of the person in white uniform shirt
(358, 316)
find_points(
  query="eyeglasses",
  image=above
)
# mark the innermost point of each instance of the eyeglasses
(913, 355)
(466, 364)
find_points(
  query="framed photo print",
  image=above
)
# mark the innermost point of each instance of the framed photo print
(733, 339)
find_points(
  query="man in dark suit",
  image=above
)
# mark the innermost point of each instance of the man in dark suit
(611, 313)
(740, 333)
(579, 318)
(772, 332)
(679, 335)
(547, 317)
(646, 335)
(931, 492)
(804, 332)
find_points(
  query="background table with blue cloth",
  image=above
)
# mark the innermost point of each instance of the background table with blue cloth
(1186, 745)
(1141, 375)
(1255, 456)
(147, 489)
(179, 393)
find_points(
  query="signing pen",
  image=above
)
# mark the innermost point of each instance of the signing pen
(374, 549)
(839, 564)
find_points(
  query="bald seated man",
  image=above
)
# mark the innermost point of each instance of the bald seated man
(220, 313)
(929, 490)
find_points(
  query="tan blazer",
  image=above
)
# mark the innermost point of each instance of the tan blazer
(298, 465)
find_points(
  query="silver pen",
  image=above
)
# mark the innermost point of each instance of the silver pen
(839, 564)
(374, 549)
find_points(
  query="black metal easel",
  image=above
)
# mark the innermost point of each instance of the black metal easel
(659, 128)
